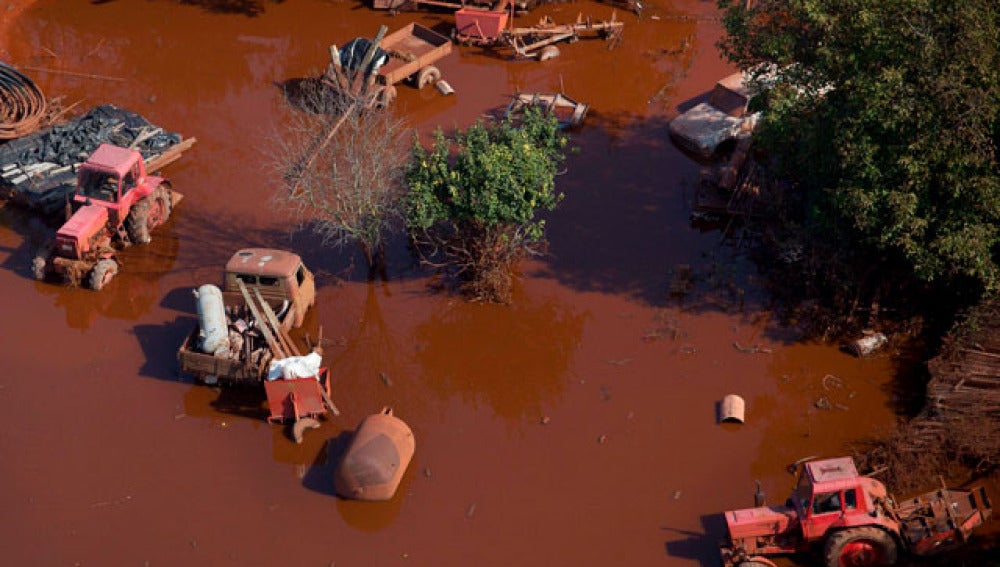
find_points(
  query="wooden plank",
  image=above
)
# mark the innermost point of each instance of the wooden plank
(172, 154)
(261, 323)
(283, 337)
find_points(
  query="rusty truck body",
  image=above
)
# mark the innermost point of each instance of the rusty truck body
(278, 285)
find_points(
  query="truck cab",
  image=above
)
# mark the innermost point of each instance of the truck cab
(279, 275)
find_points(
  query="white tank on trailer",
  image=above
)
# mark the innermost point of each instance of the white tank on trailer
(214, 334)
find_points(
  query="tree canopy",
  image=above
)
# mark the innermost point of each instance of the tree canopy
(478, 210)
(886, 116)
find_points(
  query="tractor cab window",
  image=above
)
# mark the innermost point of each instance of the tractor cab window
(248, 279)
(300, 274)
(826, 503)
(850, 499)
(128, 182)
(100, 186)
(267, 281)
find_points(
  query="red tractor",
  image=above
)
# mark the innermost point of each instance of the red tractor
(852, 519)
(115, 204)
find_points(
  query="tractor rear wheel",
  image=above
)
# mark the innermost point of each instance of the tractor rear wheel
(102, 273)
(148, 214)
(860, 547)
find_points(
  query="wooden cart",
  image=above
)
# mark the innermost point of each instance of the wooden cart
(412, 52)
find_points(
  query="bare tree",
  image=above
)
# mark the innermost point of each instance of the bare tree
(342, 170)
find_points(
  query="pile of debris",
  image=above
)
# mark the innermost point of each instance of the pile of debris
(39, 170)
(961, 421)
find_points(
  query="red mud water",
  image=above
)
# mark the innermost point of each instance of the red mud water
(573, 427)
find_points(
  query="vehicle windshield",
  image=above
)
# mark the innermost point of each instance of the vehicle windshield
(99, 185)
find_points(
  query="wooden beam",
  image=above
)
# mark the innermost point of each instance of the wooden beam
(261, 323)
(286, 341)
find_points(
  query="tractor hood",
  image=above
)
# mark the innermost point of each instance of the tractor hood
(73, 238)
(767, 520)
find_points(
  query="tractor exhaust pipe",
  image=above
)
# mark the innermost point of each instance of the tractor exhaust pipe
(758, 496)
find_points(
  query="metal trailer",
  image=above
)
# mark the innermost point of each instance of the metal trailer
(412, 52)
(489, 29)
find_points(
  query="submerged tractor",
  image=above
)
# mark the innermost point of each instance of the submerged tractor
(115, 204)
(851, 519)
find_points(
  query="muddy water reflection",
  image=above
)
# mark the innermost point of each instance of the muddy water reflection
(521, 366)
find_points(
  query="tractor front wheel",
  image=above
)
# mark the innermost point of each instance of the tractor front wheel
(860, 547)
(102, 273)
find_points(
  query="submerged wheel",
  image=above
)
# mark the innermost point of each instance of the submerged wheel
(385, 97)
(428, 76)
(39, 266)
(548, 52)
(860, 547)
(148, 214)
(102, 273)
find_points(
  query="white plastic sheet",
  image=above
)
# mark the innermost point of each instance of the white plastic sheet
(295, 367)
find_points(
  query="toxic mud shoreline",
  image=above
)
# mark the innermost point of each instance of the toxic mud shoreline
(573, 427)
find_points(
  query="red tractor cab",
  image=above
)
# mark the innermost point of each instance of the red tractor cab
(115, 204)
(851, 519)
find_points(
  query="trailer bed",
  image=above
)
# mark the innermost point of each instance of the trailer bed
(411, 48)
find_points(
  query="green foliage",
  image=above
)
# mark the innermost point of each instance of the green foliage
(480, 205)
(886, 116)
(501, 176)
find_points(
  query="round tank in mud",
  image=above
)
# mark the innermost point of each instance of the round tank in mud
(376, 459)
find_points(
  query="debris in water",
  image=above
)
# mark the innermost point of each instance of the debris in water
(620, 362)
(427, 472)
(546, 419)
(471, 510)
(602, 439)
(677, 495)
(385, 378)
(830, 382)
(753, 349)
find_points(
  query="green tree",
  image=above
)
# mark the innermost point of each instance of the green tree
(886, 117)
(477, 211)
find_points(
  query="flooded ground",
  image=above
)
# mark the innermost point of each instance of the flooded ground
(576, 426)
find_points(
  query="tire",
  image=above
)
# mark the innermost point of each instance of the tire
(860, 547)
(385, 97)
(39, 266)
(548, 52)
(104, 271)
(148, 214)
(428, 76)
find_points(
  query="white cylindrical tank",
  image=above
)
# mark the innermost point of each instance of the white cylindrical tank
(212, 320)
